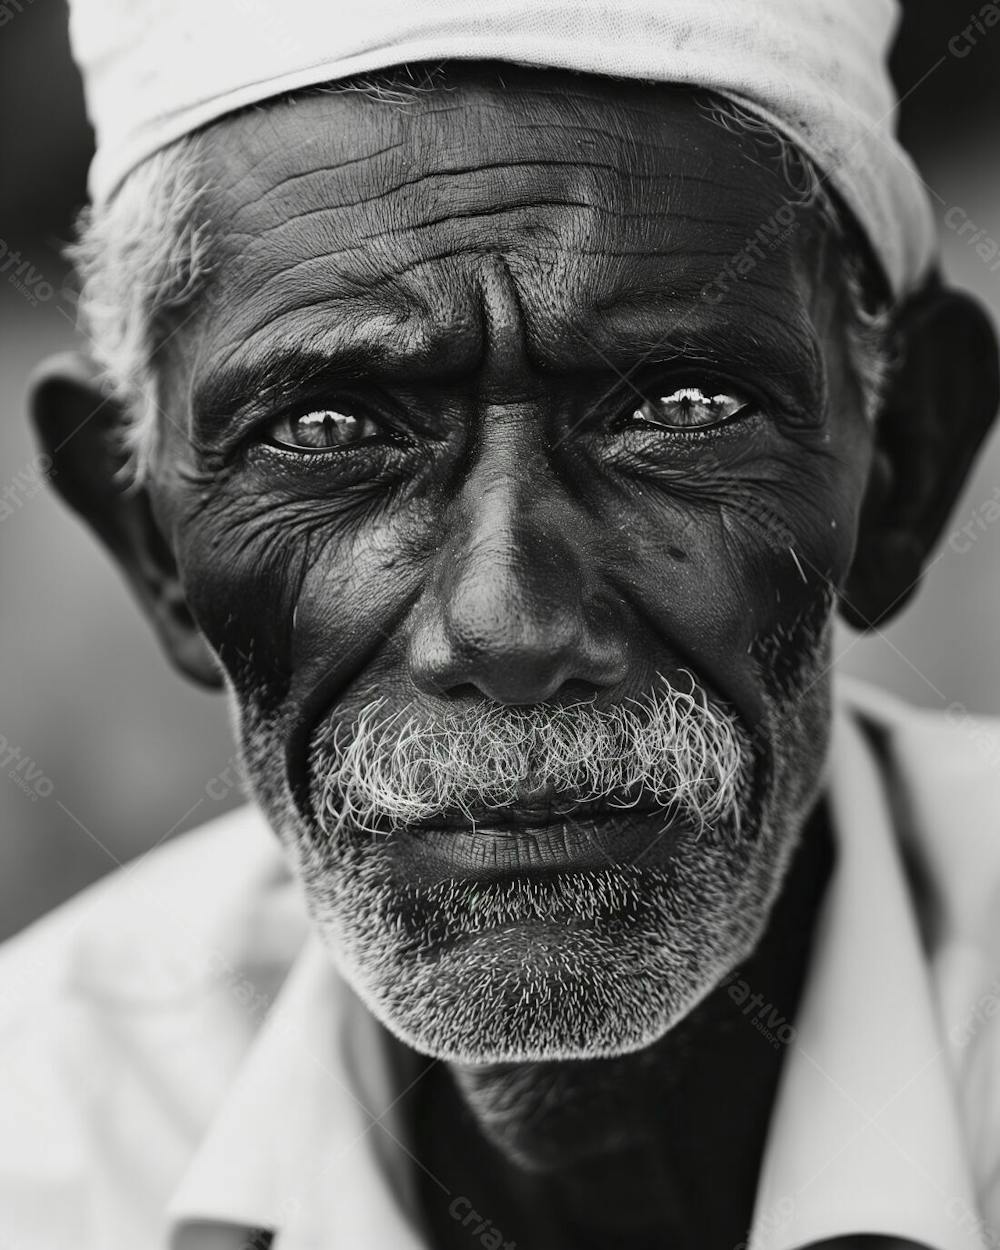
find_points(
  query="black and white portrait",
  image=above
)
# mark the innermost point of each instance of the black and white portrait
(500, 562)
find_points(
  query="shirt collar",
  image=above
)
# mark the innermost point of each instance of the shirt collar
(306, 1140)
(864, 1137)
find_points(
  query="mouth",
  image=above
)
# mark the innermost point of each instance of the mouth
(523, 838)
(539, 811)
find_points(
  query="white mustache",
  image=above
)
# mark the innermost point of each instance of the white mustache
(673, 747)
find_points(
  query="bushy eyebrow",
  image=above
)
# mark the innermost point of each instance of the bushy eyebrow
(271, 379)
(778, 346)
(273, 373)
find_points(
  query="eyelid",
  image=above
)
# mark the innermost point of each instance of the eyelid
(709, 394)
(711, 375)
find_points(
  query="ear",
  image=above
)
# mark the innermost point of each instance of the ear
(941, 402)
(76, 424)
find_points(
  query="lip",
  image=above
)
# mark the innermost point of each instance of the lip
(574, 842)
(541, 811)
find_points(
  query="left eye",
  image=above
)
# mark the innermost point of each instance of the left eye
(326, 429)
(689, 408)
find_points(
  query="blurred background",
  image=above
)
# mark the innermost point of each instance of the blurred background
(105, 752)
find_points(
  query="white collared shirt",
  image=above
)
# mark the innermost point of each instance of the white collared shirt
(180, 1064)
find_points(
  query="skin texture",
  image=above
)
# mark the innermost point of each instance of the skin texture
(500, 277)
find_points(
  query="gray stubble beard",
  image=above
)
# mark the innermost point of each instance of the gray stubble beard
(592, 964)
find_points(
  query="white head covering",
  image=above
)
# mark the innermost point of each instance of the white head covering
(154, 70)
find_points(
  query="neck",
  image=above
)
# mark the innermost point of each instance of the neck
(631, 1150)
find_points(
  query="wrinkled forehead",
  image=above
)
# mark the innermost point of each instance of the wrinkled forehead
(599, 198)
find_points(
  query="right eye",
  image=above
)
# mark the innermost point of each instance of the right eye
(690, 408)
(322, 430)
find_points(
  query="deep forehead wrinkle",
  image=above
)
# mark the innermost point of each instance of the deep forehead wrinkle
(328, 228)
(604, 108)
(628, 131)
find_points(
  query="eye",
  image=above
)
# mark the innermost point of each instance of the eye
(690, 408)
(325, 429)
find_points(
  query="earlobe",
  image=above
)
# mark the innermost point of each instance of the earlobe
(940, 403)
(77, 424)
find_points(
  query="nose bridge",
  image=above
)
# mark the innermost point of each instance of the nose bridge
(513, 570)
(508, 609)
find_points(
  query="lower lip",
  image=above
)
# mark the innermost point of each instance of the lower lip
(571, 845)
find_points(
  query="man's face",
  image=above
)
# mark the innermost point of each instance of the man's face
(511, 461)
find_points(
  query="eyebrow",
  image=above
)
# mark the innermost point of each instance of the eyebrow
(255, 383)
(784, 350)
(271, 377)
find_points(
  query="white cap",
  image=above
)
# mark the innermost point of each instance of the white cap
(154, 70)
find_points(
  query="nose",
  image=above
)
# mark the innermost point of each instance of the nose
(513, 607)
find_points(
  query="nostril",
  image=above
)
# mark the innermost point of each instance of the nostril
(466, 692)
(524, 683)
(564, 695)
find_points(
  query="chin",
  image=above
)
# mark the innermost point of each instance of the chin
(576, 965)
(583, 965)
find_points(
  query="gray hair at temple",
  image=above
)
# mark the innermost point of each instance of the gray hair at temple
(141, 259)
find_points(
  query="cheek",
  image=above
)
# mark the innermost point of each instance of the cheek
(292, 596)
(750, 558)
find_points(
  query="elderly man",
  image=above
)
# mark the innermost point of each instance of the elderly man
(500, 405)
